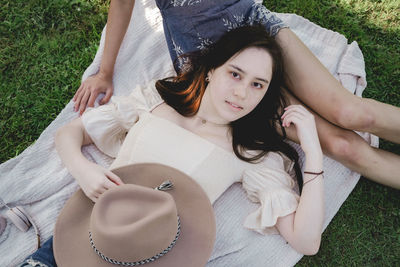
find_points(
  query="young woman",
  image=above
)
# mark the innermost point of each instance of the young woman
(216, 121)
(308, 81)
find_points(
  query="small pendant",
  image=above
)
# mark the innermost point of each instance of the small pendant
(203, 121)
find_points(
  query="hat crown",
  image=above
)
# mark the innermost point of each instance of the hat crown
(131, 223)
(191, 247)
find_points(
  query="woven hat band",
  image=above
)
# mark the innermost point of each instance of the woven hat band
(141, 262)
(131, 223)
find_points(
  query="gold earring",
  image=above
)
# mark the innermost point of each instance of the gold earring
(207, 79)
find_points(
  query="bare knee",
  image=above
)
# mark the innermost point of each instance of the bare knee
(355, 115)
(346, 148)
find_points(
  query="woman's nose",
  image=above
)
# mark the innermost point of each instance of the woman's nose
(240, 91)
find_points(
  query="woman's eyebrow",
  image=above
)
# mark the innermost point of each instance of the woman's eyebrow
(242, 71)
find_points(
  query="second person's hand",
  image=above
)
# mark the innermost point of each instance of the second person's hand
(87, 93)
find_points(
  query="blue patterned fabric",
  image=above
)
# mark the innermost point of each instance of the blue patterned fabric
(191, 25)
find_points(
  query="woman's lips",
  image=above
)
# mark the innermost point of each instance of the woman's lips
(233, 105)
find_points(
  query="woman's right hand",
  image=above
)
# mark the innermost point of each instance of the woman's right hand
(90, 89)
(95, 180)
(306, 129)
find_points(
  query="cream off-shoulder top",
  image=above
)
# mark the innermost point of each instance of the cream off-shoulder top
(126, 130)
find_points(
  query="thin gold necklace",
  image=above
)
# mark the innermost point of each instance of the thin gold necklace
(204, 121)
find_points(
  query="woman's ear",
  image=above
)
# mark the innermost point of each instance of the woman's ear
(209, 74)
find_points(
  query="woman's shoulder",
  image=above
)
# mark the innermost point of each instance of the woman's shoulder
(162, 109)
(165, 111)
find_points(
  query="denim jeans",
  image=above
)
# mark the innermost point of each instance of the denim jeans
(191, 25)
(43, 257)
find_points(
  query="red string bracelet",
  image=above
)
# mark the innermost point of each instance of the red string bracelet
(316, 175)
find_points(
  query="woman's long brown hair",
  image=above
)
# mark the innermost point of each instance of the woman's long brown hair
(257, 131)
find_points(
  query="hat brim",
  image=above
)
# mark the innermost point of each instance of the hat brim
(194, 247)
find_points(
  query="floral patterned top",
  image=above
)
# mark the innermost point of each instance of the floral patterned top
(190, 25)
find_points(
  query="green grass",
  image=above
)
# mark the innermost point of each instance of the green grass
(46, 45)
(44, 48)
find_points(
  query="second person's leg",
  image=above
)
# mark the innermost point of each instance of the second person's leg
(351, 150)
(312, 83)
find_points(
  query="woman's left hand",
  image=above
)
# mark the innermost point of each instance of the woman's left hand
(306, 129)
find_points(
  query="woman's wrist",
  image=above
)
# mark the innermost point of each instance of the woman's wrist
(79, 174)
(313, 176)
(313, 164)
(314, 155)
(77, 165)
(106, 73)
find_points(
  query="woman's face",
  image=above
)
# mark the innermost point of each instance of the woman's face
(236, 87)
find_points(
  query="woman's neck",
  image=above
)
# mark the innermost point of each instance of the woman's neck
(219, 135)
(207, 114)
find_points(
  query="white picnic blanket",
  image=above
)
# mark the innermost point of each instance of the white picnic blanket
(37, 180)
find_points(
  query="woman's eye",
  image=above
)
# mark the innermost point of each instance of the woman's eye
(257, 85)
(235, 75)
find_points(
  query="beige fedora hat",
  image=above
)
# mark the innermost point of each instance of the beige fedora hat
(134, 224)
